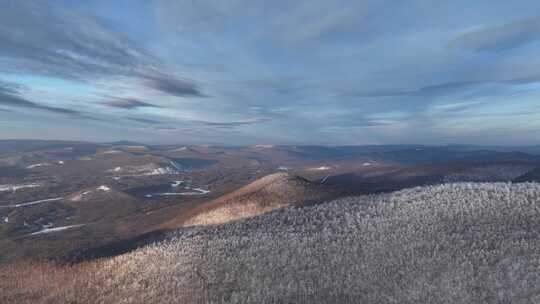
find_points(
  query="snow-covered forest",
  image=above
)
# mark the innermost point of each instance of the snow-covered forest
(454, 243)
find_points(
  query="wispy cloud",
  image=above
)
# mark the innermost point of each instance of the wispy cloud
(231, 124)
(431, 90)
(128, 104)
(173, 85)
(501, 37)
(456, 107)
(239, 71)
(11, 97)
(283, 85)
(144, 120)
(63, 43)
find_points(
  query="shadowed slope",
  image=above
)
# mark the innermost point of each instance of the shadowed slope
(531, 176)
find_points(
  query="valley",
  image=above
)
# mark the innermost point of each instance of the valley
(109, 194)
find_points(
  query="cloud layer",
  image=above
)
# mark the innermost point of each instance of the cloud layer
(11, 97)
(243, 72)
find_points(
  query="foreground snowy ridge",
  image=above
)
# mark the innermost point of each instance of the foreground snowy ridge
(456, 243)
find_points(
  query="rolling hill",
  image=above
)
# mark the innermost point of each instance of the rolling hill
(268, 193)
(531, 176)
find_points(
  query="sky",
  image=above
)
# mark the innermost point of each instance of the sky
(241, 72)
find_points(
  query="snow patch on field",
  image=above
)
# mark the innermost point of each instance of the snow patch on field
(81, 196)
(6, 188)
(144, 170)
(201, 191)
(38, 165)
(136, 147)
(176, 183)
(55, 229)
(161, 171)
(180, 149)
(104, 188)
(195, 191)
(263, 146)
(110, 152)
(321, 168)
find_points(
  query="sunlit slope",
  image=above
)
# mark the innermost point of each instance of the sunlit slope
(268, 193)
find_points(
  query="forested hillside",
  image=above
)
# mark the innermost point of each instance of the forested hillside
(456, 243)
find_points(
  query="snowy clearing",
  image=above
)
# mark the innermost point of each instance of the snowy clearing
(179, 149)
(38, 165)
(321, 168)
(176, 183)
(144, 170)
(56, 229)
(6, 188)
(82, 195)
(109, 152)
(196, 191)
(104, 188)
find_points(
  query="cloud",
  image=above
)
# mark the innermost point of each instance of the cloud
(11, 88)
(43, 38)
(166, 128)
(173, 86)
(292, 23)
(128, 104)
(457, 107)
(144, 120)
(442, 89)
(307, 23)
(432, 90)
(11, 97)
(232, 124)
(280, 60)
(48, 40)
(502, 37)
(283, 85)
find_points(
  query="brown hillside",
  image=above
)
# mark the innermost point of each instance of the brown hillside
(268, 193)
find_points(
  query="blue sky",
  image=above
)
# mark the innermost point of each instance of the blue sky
(284, 72)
